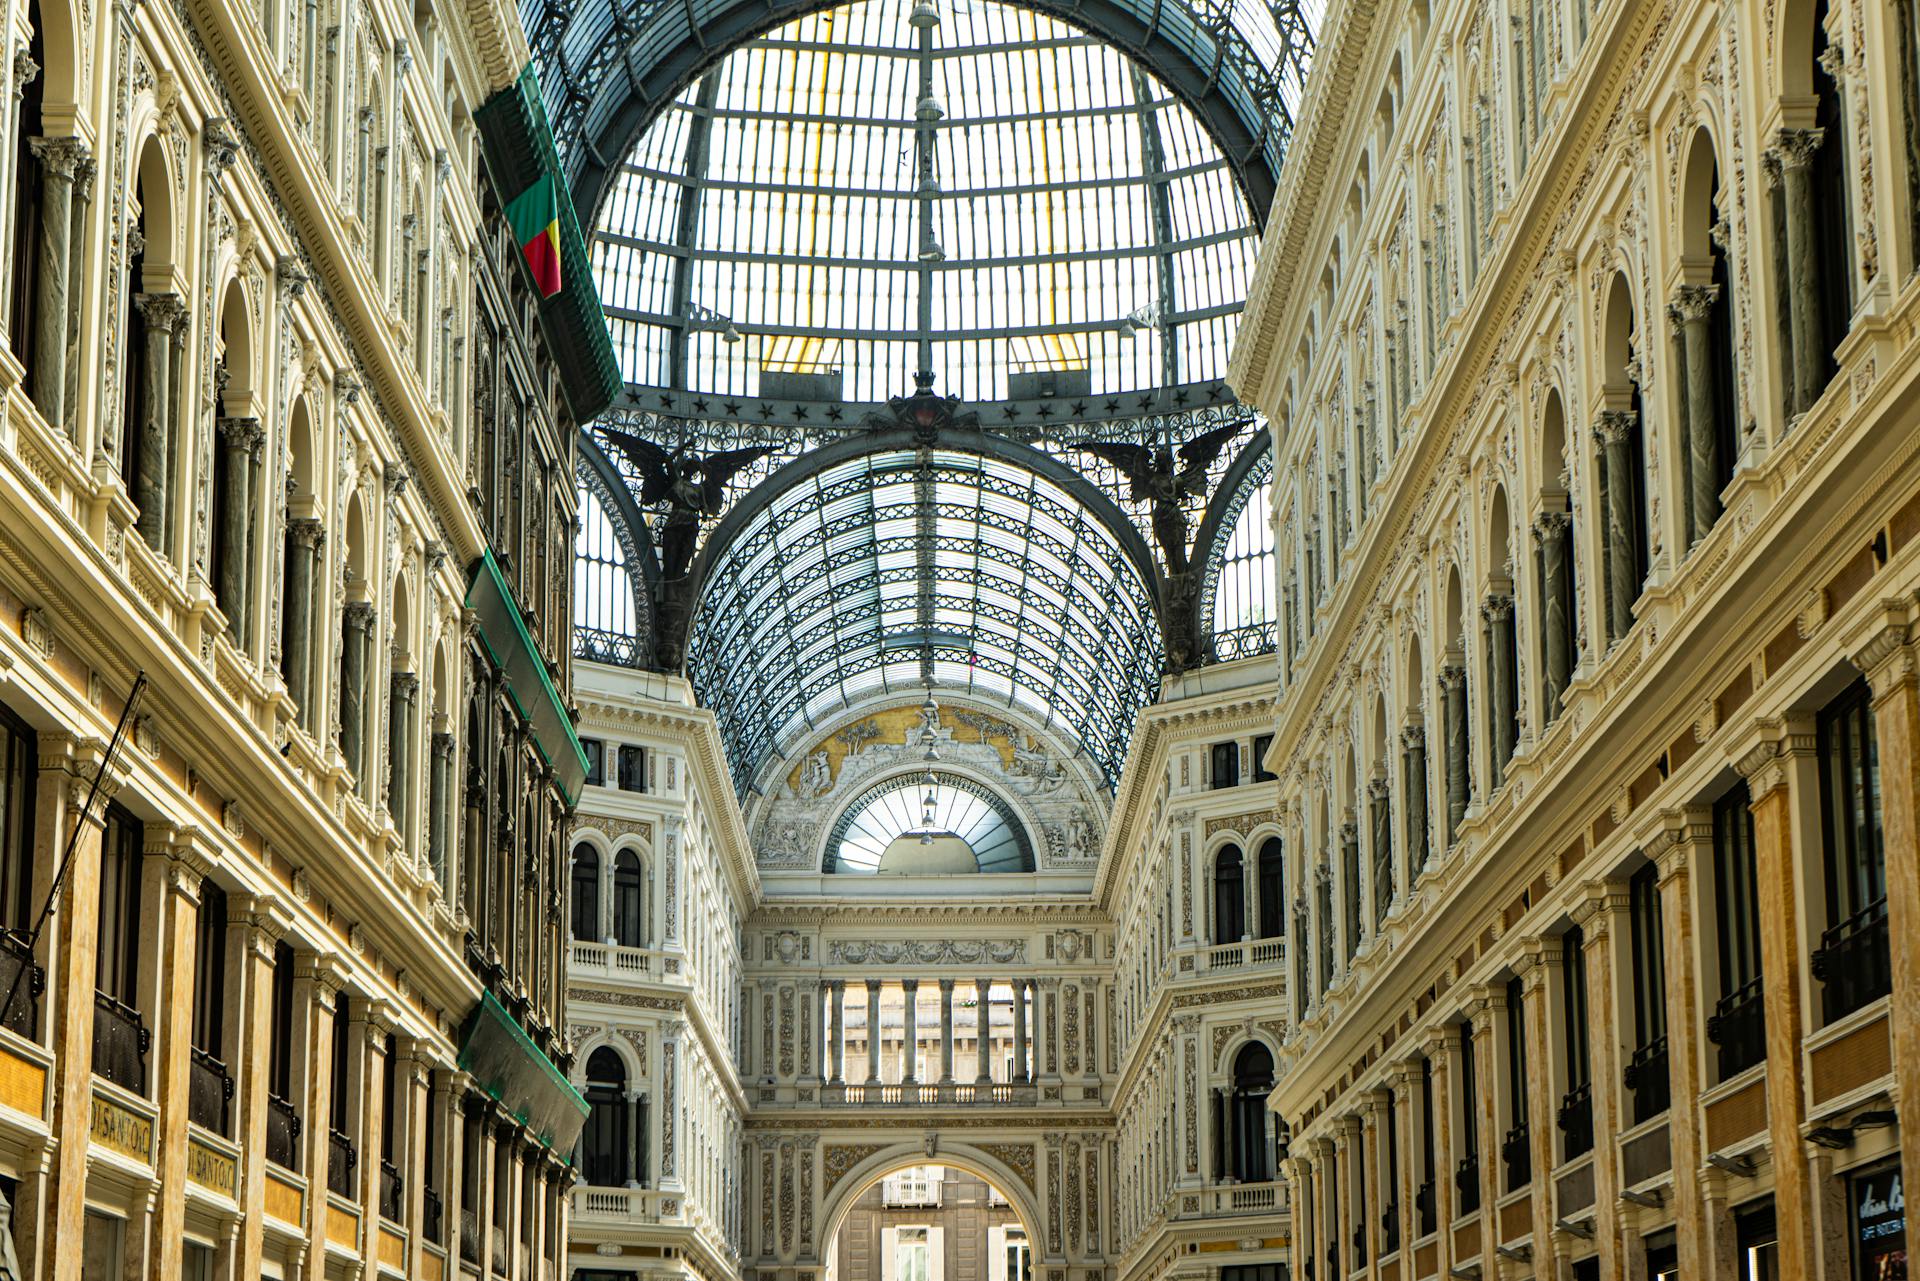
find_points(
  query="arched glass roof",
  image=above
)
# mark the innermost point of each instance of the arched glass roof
(890, 570)
(898, 807)
(999, 198)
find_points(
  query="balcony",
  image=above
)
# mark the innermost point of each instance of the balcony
(1243, 955)
(209, 1091)
(615, 960)
(341, 1159)
(392, 1193)
(1852, 963)
(469, 1236)
(1390, 1228)
(1426, 1218)
(1576, 1120)
(433, 1217)
(960, 1093)
(1466, 1186)
(613, 1206)
(1738, 1026)
(1227, 1199)
(283, 1133)
(1648, 1079)
(25, 980)
(1516, 1151)
(120, 1043)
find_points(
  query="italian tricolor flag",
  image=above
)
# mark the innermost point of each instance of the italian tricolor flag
(534, 215)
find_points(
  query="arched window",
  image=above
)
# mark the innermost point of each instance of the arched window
(605, 1151)
(629, 886)
(1229, 896)
(1245, 613)
(1247, 1147)
(586, 893)
(1273, 889)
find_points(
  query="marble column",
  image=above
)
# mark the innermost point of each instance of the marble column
(1379, 802)
(239, 443)
(304, 537)
(983, 1031)
(820, 1014)
(1614, 433)
(1603, 920)
(1794, 151)
(1498, 610)
(1539, 972)
(1769, 768)
(153, 450)
(1551, 530)
(439, 781)
(1350, 870)
(356, 627)
(60, 159)
(1693, 308)
(1682, 838)
(837, 1070)
(1439, 1049)
(946, 1031)
(172, 873)
(402, 688)
(84, 174)
(253, 931)
(1346, 1159)
(319, 1012)
(1414, 742)
(910, 1032)
(1020, 1030)
(873, 1031)
(1453, 690)
(1892, 667)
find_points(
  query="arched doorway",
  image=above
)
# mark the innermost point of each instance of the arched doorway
(914, 1216)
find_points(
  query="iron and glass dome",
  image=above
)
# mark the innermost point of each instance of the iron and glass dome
(973, 189)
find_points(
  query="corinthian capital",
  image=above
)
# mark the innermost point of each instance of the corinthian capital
(61, 157)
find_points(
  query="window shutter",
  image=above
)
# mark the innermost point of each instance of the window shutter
(936, 1254)
(996, 1254)
(889, 1245)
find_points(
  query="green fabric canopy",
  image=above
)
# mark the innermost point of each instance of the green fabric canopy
(504, 634)
(506, 1064)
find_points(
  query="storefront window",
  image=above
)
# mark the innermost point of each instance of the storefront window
(1879, 1225)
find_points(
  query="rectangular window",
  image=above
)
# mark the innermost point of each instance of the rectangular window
(596, 761)
(1852, 962)
(19, 764)
(912, 1255)
(1576, 1106)
(633, 768)
(1738, 1024)
(1757, 1241)
(1466, 1176)
(1226, 765)
(1877, 1210)
(1262, 744)
(917, 1185)
(1647, 1075)
(209, 1084)
(1425, 1208)
(1016, 1254)
(119, 1032)
(283, 1122)
(1516, 1150)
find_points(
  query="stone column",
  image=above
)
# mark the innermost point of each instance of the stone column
(1439, 1051)
(305, 536)
(402, 687)
(1487, 1017)
(1380, 812)
(172, 874)
(1355, 920)
(84, 174)
(1551, 530)
(253, 931)
(1453, 690)
(1767, 768)
(239, 442)
(68, 951)
(1600, 916)
(317, 1010)
(910, 1032)
(439, 782)
(1693, 309)
(1794, 152)
(370, 1064)
(1345, 1160)
(1680, 838)
(1404, 1081)
(983, 1031)
(837, 989)
(823, 1029)
(1539, 973)
(356, 635)
(1498, 610)
(1892, 666)
(873, 1031)
(154, 449)
(946, 1032)
(59, 159)
(1020, 1030)
(1614, 435)
(1419, 843)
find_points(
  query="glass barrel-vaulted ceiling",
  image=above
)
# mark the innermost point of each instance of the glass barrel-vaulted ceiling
(891, 570)
(853, 197)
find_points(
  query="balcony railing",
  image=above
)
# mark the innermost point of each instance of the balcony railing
(1426, 1217)
(626, 1205)
(1516, 1151)
(433, 1217)
(859, 1092)
(1466, 1184)
(1647, 1077)
(612, 958)
(1852, 962)
(120, 1043)
(22, 1014)
(1738, 1026)
(1248, 952)
(1390, 1228)
(1576, 1120)
(209, 1091)
(341, 1159)
(392, 1192)
(283, 1133)
(469, 1236)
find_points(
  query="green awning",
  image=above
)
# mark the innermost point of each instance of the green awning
(504, 634)
(506, 1063)
(519, 150)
